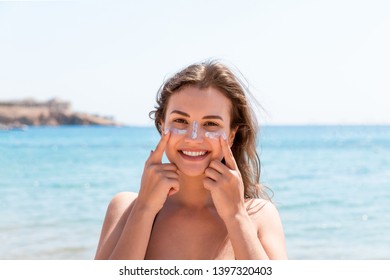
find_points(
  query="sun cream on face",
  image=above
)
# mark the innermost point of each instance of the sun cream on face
(197, 132)
(215, 135)
(195, 126)
(178, 131)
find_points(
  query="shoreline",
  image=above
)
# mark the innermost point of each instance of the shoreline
(54, 112)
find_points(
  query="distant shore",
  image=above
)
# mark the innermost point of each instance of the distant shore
(19, 114)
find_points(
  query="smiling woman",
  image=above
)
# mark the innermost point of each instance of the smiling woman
(207, 202)
(208, 112)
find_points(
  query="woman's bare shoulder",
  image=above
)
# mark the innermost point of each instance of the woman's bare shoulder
(254, 205)
(114, 221)
(124, 197)
(121, 202)
(262, 211)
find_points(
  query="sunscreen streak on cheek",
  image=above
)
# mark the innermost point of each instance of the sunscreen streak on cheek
(215, 135)
(178, 131)
(194, 134)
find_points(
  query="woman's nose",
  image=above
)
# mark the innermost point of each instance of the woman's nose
(194, 133)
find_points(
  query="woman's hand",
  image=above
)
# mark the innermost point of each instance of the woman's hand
(225, 184)
(159, 180)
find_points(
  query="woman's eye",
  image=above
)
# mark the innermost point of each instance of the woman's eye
(211, 124)
(181, 121)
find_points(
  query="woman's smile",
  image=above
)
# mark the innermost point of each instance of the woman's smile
(194, 155)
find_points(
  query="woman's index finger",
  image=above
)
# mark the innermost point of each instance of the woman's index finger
(156, 156)
(228, 155)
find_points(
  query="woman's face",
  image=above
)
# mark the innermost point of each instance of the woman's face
(197, 118)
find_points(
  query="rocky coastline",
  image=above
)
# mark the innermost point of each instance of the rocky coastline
(20, 114)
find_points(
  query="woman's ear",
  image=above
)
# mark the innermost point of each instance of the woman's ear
(232, 135)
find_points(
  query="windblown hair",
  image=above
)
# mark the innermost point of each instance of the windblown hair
(216, 75)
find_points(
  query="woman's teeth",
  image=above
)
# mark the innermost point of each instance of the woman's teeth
(193, 154)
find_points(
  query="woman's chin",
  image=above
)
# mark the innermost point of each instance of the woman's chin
(192, 172)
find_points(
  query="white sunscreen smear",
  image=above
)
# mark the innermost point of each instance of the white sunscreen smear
(194, 134)
(178, 131)
(215, 135)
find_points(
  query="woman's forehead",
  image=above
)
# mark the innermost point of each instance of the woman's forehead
(209, 101)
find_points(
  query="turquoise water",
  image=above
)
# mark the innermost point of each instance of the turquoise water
(330, 183)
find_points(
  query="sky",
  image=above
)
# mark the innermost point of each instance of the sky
(305, 61)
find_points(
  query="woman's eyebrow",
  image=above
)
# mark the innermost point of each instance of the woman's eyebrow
(180, 113)
(213, 117)
(205, 117)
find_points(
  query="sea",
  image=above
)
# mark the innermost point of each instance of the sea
(331, 185)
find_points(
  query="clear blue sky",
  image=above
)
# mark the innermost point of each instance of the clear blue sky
(307, 62)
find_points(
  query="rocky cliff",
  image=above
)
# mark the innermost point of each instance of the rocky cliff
(28, 112)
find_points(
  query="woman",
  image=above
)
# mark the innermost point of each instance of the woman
(206, 203)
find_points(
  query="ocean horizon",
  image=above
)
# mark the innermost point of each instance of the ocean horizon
(329, 182)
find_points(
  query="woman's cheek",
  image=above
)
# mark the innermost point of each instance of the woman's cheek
(169, 153)
(217, 152)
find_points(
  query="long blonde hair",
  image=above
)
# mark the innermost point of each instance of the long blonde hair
(219, 76)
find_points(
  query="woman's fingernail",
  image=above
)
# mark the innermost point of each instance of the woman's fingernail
(224, 135)
(166, 131)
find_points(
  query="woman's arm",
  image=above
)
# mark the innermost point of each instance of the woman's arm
(243, 236)
(259, 236)
(126, 229)
(129, 219)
